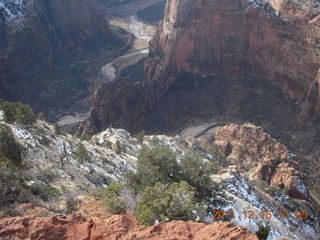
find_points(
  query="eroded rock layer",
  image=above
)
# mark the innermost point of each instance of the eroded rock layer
(117, 227)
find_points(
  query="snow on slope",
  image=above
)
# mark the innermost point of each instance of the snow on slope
(14, 10)
(243, 196)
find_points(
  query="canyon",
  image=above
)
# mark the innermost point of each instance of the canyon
(229, 61)
(240, 51)
(235, 82)
(49, 51)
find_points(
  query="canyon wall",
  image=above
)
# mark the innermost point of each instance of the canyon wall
(253, 60)
(277, 42)
(41, 43)
(227, 61)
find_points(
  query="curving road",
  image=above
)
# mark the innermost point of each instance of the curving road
(138, 30)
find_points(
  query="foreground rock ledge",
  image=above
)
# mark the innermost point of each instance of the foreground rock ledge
(116, 227)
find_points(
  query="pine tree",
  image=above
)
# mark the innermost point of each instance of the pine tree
(9, 148)
(25, 115)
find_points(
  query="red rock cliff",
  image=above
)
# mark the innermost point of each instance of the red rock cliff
(277, 41)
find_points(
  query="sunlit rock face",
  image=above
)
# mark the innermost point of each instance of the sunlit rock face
(276, 42)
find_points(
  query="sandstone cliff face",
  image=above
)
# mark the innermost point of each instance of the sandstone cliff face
(259, 156)
(229, 56)
(242, 39)
(38, 40)
(257, 153)
(116, 227)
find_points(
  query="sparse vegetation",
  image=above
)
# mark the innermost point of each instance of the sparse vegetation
(277, 161)
(271, 190)
(114, 204)
(263, 232)
(25, 115)
(108, 144)
(9, 148)
(45, 192)
(17, 112)
(82, 153)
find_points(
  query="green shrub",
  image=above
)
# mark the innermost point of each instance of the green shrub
(25, 115)
(108, 144)
(12, 186)
(113, 201)
(164, 202)
(171, 189)
(45, 192)
(159, 164)
(263, 232)
(9, 111)
(154, 165)
(81, 153)
(21, 113)
(197, 173)
(9, 148)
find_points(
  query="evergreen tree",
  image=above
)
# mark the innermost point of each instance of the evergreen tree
(9, 148)
(166, 202)
(24, 114)
(113, 202)
(263, 232)
(154, 165)
(197, 173)
(9, 111)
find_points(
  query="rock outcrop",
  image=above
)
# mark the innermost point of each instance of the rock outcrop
(259, 156)
(254, 151)
(116, 227)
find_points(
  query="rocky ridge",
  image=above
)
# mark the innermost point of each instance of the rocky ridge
(50, 161)
(116, 227)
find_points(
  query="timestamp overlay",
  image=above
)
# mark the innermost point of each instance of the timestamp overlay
(263, 214)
